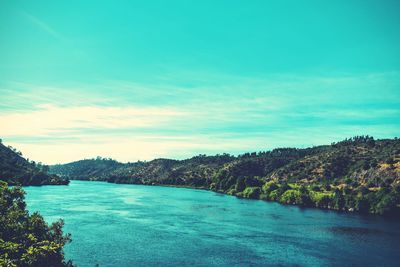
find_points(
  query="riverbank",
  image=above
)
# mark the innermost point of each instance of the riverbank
(339, 198)
(121, 225)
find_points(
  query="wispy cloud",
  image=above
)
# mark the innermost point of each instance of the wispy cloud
(42, 25)
(49, 120)
(153, 145)
(129, 121)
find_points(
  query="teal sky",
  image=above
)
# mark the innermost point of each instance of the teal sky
(144, 79)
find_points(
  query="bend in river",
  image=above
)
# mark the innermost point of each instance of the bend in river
(130, 225)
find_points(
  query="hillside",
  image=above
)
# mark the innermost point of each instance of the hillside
(357, 174)
(16, 170)
(87, 169)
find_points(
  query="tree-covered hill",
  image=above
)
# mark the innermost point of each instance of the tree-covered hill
(16, 170)
(357, 174)
(87, 169)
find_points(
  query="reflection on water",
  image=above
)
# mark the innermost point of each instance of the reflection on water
(131, 225)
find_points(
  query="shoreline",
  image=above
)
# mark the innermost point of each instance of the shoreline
(396, 216)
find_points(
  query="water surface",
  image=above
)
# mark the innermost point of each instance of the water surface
(134, 225)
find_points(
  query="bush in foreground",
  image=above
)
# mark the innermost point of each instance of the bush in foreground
(27, 240)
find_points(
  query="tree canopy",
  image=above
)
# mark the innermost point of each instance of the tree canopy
(27, 240)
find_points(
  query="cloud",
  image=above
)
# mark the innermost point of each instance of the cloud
(129, 121)
(150, 146)
(43, 26)
(51, 120)
(137, 147)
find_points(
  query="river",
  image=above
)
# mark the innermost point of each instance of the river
(135, 225)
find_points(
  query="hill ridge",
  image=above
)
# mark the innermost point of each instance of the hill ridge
(16, 170)
(357, 174)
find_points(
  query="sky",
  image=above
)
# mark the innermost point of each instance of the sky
(138, 80)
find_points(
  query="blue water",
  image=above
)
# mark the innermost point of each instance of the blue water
(134, 225)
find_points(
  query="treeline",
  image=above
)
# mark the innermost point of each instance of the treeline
(16, 170)
(357, 174)
(87, 169)
(342, 198)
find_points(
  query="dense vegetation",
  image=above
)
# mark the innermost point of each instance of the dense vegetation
(15, 170)
(27, 240)
(357, 174)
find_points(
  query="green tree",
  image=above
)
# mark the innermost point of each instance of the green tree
(291, 196)
(252, 192)
(27, 240)
(240, 185)
(268, 187)
(338, 200)
(388, 203)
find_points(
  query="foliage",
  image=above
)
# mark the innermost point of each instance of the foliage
(252, 192)
(321, 199)
(15, 170)
(291, 196)
(27, 240)
(270, 186)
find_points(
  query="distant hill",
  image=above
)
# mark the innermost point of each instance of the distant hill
(357, 174)
(87, 169)
(15, 170)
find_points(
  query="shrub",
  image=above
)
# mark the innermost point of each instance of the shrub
(252, 192)
(321, 199)
(231, 191)
(291, 196)
(268, 187)
(274, 195)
